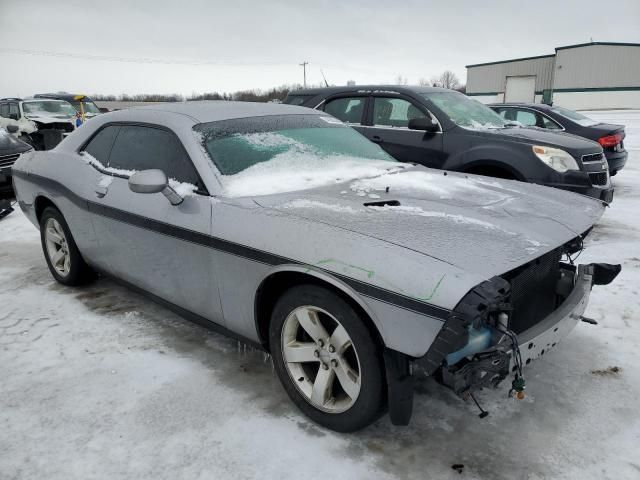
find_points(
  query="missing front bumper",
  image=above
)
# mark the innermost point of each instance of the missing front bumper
(488, 368)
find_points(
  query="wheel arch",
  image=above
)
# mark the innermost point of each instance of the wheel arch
(284, 277)
(40, 203)
(490, 164)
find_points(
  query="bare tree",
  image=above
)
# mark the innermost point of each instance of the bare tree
(400, 80)
(446, 79)
(423, 82)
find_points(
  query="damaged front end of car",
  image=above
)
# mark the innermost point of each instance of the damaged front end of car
(507, 321)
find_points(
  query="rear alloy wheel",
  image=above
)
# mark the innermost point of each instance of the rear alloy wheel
(60, 251)
(327, 359)
(57, 247)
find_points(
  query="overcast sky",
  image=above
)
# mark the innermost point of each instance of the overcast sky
(204, 46)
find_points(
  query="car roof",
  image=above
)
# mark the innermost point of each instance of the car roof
(62, 96)
(539, 106)
(204, 111)
(355, 88)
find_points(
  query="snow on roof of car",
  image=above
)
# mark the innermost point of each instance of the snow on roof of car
(214, 110)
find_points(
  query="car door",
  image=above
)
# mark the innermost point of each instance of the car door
(388, 125)
(143, 238)
(350, 108)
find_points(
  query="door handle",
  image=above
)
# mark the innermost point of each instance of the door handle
(101, 191)
(376, 139)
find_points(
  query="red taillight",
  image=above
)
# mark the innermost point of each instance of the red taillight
(611, 140)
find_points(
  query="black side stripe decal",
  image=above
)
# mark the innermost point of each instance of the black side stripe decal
(232, 248)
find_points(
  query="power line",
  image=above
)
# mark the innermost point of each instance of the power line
(138, 60)
(165, 61)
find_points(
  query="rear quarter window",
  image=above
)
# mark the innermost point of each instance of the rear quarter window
(297, 99)
(99, 147)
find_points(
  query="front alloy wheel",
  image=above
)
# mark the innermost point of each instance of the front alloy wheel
(324, 367)
(327, 358)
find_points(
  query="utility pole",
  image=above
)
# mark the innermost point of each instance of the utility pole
(304, 72)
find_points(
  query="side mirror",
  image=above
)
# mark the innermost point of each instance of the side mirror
(426, 124)
(13, 116)
(153, 181)
(12, 128)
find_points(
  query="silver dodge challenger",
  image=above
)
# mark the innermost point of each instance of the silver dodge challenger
(285, 228)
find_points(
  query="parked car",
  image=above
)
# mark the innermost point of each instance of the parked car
(560, 119)
(82, 104)
(441, 128)
(10, 149)
(42, 123)
(286, 228)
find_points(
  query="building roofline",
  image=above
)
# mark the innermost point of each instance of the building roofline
(511, 60)
(578, 45)
(589, 44)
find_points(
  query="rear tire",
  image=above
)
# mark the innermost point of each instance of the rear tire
(327, 359)
(60, 250)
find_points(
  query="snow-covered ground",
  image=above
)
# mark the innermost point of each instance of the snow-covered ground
(99, 382)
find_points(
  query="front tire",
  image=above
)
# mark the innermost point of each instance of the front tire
(327, 359)
(60, 250)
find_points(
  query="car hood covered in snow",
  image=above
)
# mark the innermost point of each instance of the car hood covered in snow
(479, 224)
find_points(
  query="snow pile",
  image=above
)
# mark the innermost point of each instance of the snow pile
(272, 139)
(295, 170)
(93, 161)
(105, 181)
(420, 182)
(184, 189)
(303, 203)
(459, 219)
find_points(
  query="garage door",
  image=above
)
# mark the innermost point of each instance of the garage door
(520, 89)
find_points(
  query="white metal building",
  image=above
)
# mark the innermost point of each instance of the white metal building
(586, 76)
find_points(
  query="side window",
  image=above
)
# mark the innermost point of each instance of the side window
(141, 148)
(526, 117)
(100, 146)
(297, 99)
(349, 110)
(508, 114)
(13, 110)
(4, 110)
(549, 124)
(394, 112)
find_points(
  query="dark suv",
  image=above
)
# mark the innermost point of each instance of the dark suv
(10, 149)
(549, 117)
(441, 128)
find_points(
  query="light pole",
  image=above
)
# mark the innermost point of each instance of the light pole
(304, 72)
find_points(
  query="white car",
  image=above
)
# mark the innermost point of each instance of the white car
(42, 123)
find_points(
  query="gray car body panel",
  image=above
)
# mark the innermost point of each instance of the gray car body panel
(210, 254)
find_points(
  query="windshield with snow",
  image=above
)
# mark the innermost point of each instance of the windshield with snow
(279, 153)
(575, 116)
(464, 111)
(48, 108)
